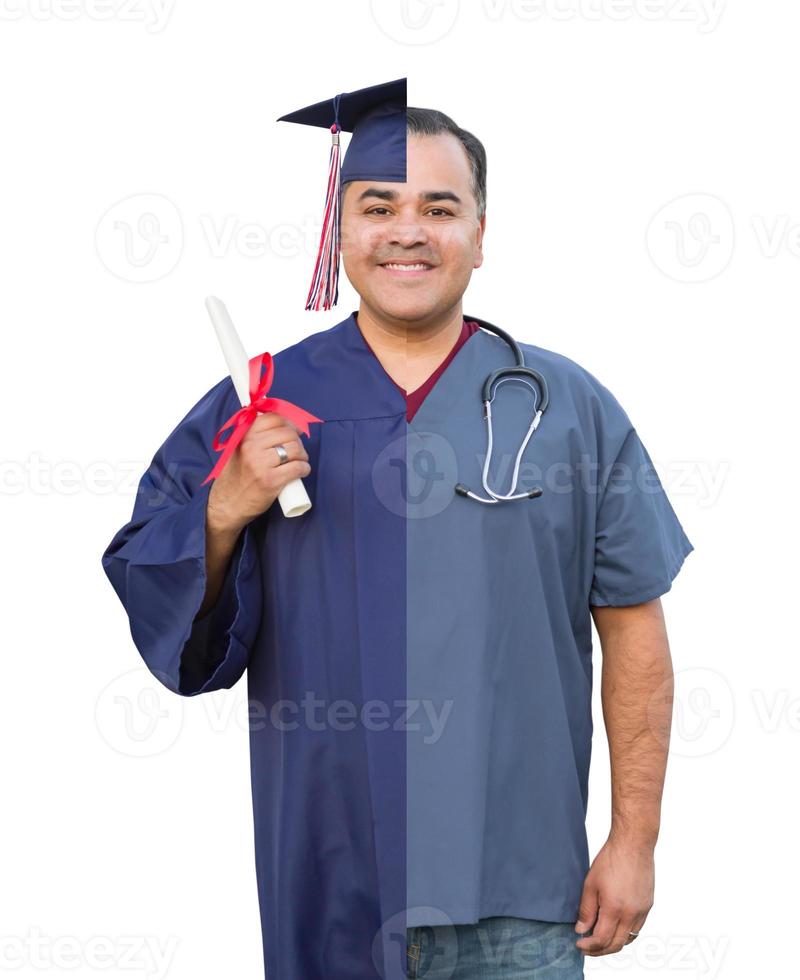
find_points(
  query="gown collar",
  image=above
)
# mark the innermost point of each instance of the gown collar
(335, 375)
(442, 396)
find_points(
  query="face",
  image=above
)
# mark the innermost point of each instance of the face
(390, 229)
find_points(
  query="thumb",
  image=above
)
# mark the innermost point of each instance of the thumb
(587, 911)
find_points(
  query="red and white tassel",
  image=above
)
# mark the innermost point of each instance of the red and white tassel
(324, 291)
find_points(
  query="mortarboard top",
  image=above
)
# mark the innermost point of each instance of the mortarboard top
(376, 117)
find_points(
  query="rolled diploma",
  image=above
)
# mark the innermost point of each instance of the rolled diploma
(293, 498)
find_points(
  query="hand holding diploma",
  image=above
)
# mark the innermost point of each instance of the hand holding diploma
(251, 480)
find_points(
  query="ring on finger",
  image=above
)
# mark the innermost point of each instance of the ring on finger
(283, 456)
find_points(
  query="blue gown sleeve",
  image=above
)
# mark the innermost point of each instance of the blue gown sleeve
(640, 544)
(156, 563)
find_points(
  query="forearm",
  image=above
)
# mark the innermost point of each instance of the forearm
(637, 692)
(220, 544)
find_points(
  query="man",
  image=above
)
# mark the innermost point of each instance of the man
(419, 663)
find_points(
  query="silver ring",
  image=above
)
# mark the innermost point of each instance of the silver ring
(633, 933)
(282, 454)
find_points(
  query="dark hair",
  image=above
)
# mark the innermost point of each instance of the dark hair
(431, 122)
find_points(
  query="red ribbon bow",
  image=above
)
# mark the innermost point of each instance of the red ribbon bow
(259, 402)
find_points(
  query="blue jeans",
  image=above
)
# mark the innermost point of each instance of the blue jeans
(496, 948)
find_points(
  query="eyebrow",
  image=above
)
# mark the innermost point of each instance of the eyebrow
(425, 196)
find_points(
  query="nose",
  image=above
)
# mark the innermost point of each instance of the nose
(407, 233)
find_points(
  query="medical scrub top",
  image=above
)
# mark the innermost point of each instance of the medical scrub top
(418, 664)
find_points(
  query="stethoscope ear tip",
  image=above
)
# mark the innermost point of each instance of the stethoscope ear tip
(536, 492)
(461, 490)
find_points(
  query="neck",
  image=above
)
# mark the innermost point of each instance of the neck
(410, 351)
(413, 337)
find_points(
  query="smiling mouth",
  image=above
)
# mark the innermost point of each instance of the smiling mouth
(407, 266)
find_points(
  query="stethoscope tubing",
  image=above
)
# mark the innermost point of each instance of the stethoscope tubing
(522, 373)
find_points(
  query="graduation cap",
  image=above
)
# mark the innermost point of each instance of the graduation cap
(376, 117)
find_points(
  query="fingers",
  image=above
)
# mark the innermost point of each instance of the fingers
(588, 909)
(256, 474)
(271, 420)
(622, 936)
(612, 931)
(295, 452)
(293, 470)
(273, 435)
(638, 923)
(603, 933)
(259, 442)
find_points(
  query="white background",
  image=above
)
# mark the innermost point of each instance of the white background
(643, 208)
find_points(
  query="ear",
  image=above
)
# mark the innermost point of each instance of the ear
(479, 242)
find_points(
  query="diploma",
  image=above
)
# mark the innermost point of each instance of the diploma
(293, 498)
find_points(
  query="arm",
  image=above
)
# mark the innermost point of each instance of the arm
(221, 542)
(156, 564)
(637, 687)
(186, 565)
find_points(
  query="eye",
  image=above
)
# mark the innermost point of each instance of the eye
(381, 211)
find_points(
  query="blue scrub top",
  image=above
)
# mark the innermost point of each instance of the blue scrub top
(458, 632)
(499, 637)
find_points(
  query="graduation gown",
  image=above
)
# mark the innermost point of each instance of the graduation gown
(314, 608)
(418, 664)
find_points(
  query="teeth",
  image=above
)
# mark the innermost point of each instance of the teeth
(391, 265)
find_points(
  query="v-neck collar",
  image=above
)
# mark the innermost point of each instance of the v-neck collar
(459, 387)
(401, 391)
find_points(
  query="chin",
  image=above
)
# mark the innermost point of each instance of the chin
(407, 310)
(401, 307)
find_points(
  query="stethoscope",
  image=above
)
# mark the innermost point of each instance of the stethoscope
(520, 372)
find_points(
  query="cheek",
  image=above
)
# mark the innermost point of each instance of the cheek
(456, 245)
(360, 242)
